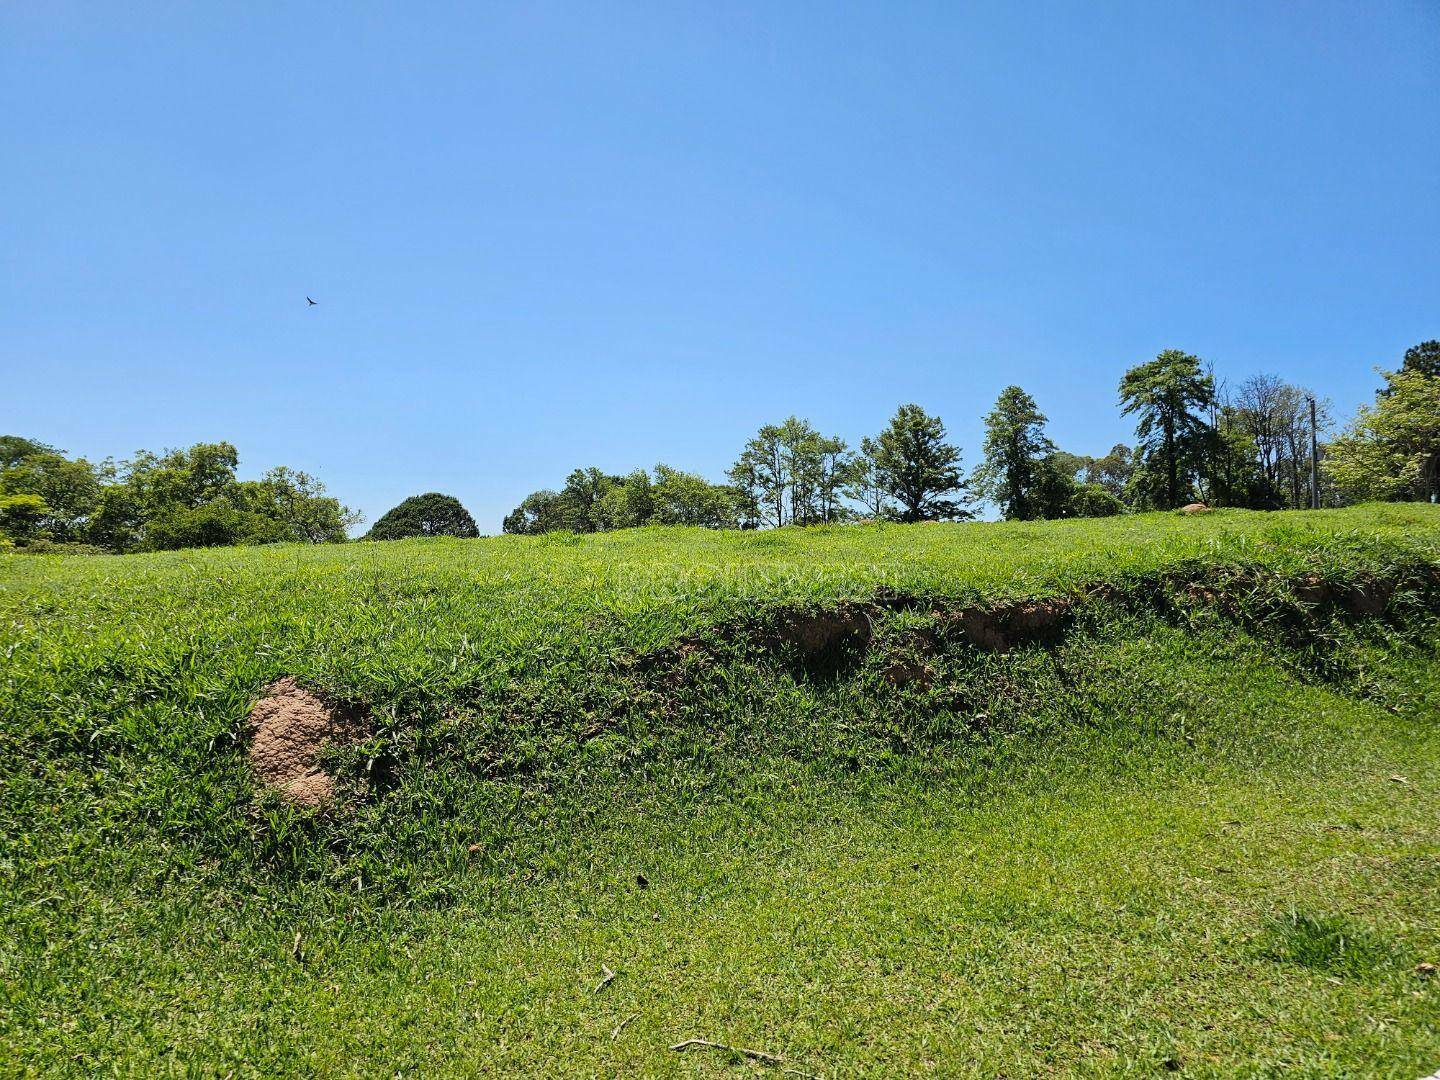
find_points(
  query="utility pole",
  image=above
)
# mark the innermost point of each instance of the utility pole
(1314, 460)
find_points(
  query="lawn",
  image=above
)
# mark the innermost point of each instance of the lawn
(1191, 829)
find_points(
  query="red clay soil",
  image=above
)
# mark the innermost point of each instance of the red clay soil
(289, 727)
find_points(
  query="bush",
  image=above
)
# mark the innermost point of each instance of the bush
(431, 514)
(1093, 500)
(216, 524)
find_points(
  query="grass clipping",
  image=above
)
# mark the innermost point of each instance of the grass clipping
(289, 729)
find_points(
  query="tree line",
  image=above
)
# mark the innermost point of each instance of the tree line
(1261, 444)
(153, 502)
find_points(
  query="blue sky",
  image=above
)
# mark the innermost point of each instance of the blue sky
(544, 235)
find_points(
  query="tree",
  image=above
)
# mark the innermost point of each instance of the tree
(68, 489)
(297, 501)
(627, 504)
(790, 474)
(21, 516)
(593, 501)
(1094, 500)
(1392, 449)
(1423, 359)
(1166, 394)
(218, 523)
(431, 514)
(865, 483)
(683, 498)
(760, 472)
(919, 469)
(539, 512)
(1113, 471)
(16, 448)
(1015, 448)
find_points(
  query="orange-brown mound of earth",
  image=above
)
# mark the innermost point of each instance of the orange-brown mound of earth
(289, 727)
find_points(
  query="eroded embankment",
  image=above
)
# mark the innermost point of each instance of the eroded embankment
(825, 639)
(889, 642)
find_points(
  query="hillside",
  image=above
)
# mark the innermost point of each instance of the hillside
(1110, 796)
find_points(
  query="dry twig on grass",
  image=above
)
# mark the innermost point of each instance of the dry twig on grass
(763, 1057)
(621, 1025)
(606, 981)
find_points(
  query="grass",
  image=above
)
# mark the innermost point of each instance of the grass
(1166, 837)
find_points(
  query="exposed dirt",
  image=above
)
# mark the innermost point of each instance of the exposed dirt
(817, 633)
(1368, 599)
(997, 629)
(834, 640)
(1195, 508)
(289, 727)
(904, 672)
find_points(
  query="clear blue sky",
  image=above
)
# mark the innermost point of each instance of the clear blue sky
(544, 235)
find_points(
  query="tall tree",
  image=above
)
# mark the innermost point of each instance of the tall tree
(761, 473)
(1423, 358)
(1016, 450)
(791, 474)
(865, 481)
(685, 498)
(920, 470)
(1392, 450)
(1167, 395)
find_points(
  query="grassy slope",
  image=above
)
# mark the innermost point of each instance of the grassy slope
(1119, 873)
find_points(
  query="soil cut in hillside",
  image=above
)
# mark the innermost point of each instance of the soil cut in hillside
(289, 727)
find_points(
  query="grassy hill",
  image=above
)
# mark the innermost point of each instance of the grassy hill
(1105, 797)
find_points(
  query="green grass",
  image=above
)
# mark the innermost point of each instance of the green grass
(1168, 836)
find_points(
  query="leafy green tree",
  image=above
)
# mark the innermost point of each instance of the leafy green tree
(431, 514)
(15, 448)
(1016, 448)
(865, 483)
(217, 523)
(682, 498)
(69, 489)
(539, 512)
(297, 501)
(627, 504)
(1166, 395)
(1392, 449)
(581, 496)
(21, 516)
(790, 474)
(760, 472)
(920, 470)
(1113, 471)
(594, 501)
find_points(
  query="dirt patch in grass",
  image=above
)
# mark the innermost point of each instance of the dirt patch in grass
(289, 728)
(816, 633)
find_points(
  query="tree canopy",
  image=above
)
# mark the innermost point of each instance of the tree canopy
(430, 514)
(1168, 395)
(595, 501)
(918, 468)
(1392, 449)
(178, 498)
(1016, 449)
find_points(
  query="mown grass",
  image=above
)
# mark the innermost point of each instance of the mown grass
(1169, 837)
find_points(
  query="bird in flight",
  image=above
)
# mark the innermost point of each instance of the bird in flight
(309, 301)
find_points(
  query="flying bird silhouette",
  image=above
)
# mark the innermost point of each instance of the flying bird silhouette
(309, 301)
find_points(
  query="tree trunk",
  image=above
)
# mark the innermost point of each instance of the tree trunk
(1171, 465)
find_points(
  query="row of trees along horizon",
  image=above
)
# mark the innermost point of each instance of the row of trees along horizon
(1259, 444)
